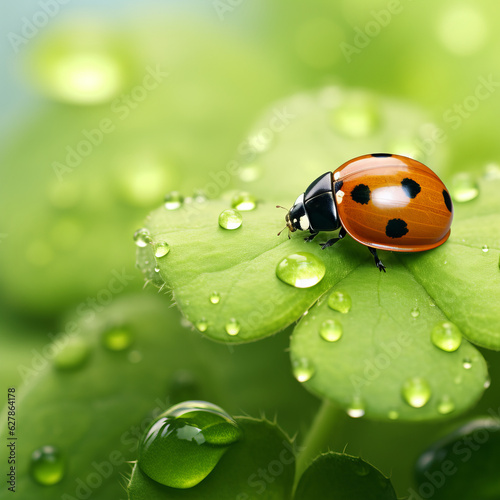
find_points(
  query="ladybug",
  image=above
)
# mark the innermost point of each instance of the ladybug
(381, 200)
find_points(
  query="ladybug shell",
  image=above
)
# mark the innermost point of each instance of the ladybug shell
(392, 202)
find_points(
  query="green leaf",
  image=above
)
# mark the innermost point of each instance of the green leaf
(338, 476)
(463, 278)
(96, 411)
(463, 464)
(384, 344)
(260, 465)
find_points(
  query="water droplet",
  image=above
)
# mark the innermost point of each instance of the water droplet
(415, 313)
(340, 301)
(215, 298)
(244, 201)
(142, 238)
(173, 200)
(416, 392)
(446, 405)
(446, 336)
(487, 383)
(201, 325)
(485, 248)
(463, 188)
(303, 369)
(356, 409)
(467, 363)
(162, 249)
(393, 415)
(199, 196)
(492, 171)
(72, 355)
(230, 219)
(357, 117)
(47, 465)
(331, 330)
(301, 270)
(117, 339)
(192, 432)
(250, 173)
(232, 327)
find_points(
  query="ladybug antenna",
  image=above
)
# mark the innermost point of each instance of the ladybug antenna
(279, 206)
(279, 234)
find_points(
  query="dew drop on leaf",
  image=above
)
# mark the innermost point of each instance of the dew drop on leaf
(340, 301)
(72, 355)
(214, 298)
(185, 443)
(117, 339)
(487, 383)
(47, 465)
(250, 173)
(142, 238)
(161, 249)
(356, 409)
(416, 392)
(485, 248)
(446, 405)
(173, 200)
(244, 201)
(303, 369)
(446, 336)
(467, 363)
(230, 219)
(463, 188)
(201, 325)
(331, 330)
(415, 312)
(232, 327)
(301, 270)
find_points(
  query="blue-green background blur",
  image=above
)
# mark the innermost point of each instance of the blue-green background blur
(65, 228)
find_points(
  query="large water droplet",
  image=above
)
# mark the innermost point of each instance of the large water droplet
(161, 249)
(230, 219)
(117, 339)
(446, 336)
(72, 355)
(303, 369)
(201, 325)
(356, 118)
(214, 298)
(340, 301)
(446, 405)
(331, 330)
(416, 392)
(173, 200)
(244, 201)
(356, 409)
(301, 270)
(232, 327)
(142, 238)
(463, 188)
(184, 444)
(47, 465)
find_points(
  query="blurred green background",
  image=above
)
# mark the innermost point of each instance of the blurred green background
(105, 108)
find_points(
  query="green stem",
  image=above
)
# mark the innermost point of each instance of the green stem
(328, 420)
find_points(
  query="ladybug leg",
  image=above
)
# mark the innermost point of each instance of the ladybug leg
(378, 262)
(311, 237)
(329, 243)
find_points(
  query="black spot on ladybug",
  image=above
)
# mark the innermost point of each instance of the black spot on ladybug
(447, 200)
(338, 185)
(410, 187)
(361, 194)
(381, 155)
(396, 228)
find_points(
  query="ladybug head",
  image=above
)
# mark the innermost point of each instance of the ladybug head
(296, 218)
